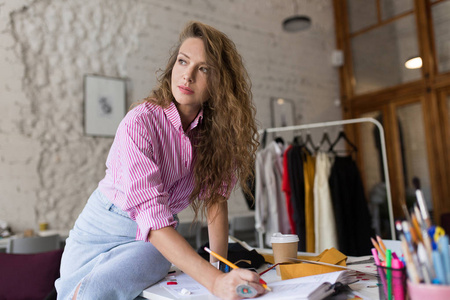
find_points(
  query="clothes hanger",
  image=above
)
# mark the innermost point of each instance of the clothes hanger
(298, 140)
(309, 141)
(342, 135)
(279, 140)
(325, 138)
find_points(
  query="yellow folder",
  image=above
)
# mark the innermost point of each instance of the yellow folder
(295, 270)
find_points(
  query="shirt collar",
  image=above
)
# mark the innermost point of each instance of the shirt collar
(174, 117)
(198, 120)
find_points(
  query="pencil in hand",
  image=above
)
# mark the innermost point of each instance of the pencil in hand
(231, 265)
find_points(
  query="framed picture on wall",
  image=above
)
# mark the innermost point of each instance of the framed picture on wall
(104, 104)
(282, 112)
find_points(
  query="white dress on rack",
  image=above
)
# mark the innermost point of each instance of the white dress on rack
(324, 222)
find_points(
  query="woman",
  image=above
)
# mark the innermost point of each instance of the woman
(187, 144)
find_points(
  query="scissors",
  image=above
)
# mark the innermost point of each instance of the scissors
(435, 233)
(438, 232)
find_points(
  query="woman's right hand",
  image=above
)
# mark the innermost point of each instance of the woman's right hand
(225, 284)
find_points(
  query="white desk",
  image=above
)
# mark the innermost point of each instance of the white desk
(4, 244)
(63, 233)
(366, 288)
(156, 292)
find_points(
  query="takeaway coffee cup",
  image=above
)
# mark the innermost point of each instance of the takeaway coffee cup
(284, 247)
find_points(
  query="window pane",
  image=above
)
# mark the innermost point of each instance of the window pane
(414, 152)
(441, 22)
(392, 8)
(361, 14)
(373, 174)
(373, 166)
(380, 54)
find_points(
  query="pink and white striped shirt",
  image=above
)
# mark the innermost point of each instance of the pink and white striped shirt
(150, 166)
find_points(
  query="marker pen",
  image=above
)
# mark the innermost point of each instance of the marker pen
(397, 279)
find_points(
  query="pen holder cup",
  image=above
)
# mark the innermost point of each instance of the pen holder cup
(397, 287)
(428, 291)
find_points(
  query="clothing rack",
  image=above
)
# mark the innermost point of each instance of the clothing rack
(346, 122)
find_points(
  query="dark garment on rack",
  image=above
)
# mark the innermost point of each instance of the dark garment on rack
(297, 182)
(353, 221)
(249, 199)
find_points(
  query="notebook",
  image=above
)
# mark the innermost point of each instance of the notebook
(310, 287)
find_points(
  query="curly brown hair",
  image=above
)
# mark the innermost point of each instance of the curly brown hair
(228, 136)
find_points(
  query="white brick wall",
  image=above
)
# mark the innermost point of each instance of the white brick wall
(48, 167)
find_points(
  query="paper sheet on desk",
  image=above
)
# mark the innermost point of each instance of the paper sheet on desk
(364, 264)
(366, 287)
(186, 282)
(299, 288)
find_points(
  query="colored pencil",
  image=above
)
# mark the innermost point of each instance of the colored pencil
(382, 246)
(231, 265)
(375, 244)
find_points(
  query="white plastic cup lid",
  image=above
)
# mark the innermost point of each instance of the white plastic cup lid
(283, 238)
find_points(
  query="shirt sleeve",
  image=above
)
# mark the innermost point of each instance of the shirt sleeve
(146, 195)
(226, 189)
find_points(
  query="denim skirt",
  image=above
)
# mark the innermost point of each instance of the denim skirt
(102, 255)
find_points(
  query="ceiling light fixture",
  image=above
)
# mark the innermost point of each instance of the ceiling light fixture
(414, 63)
(296, 22)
